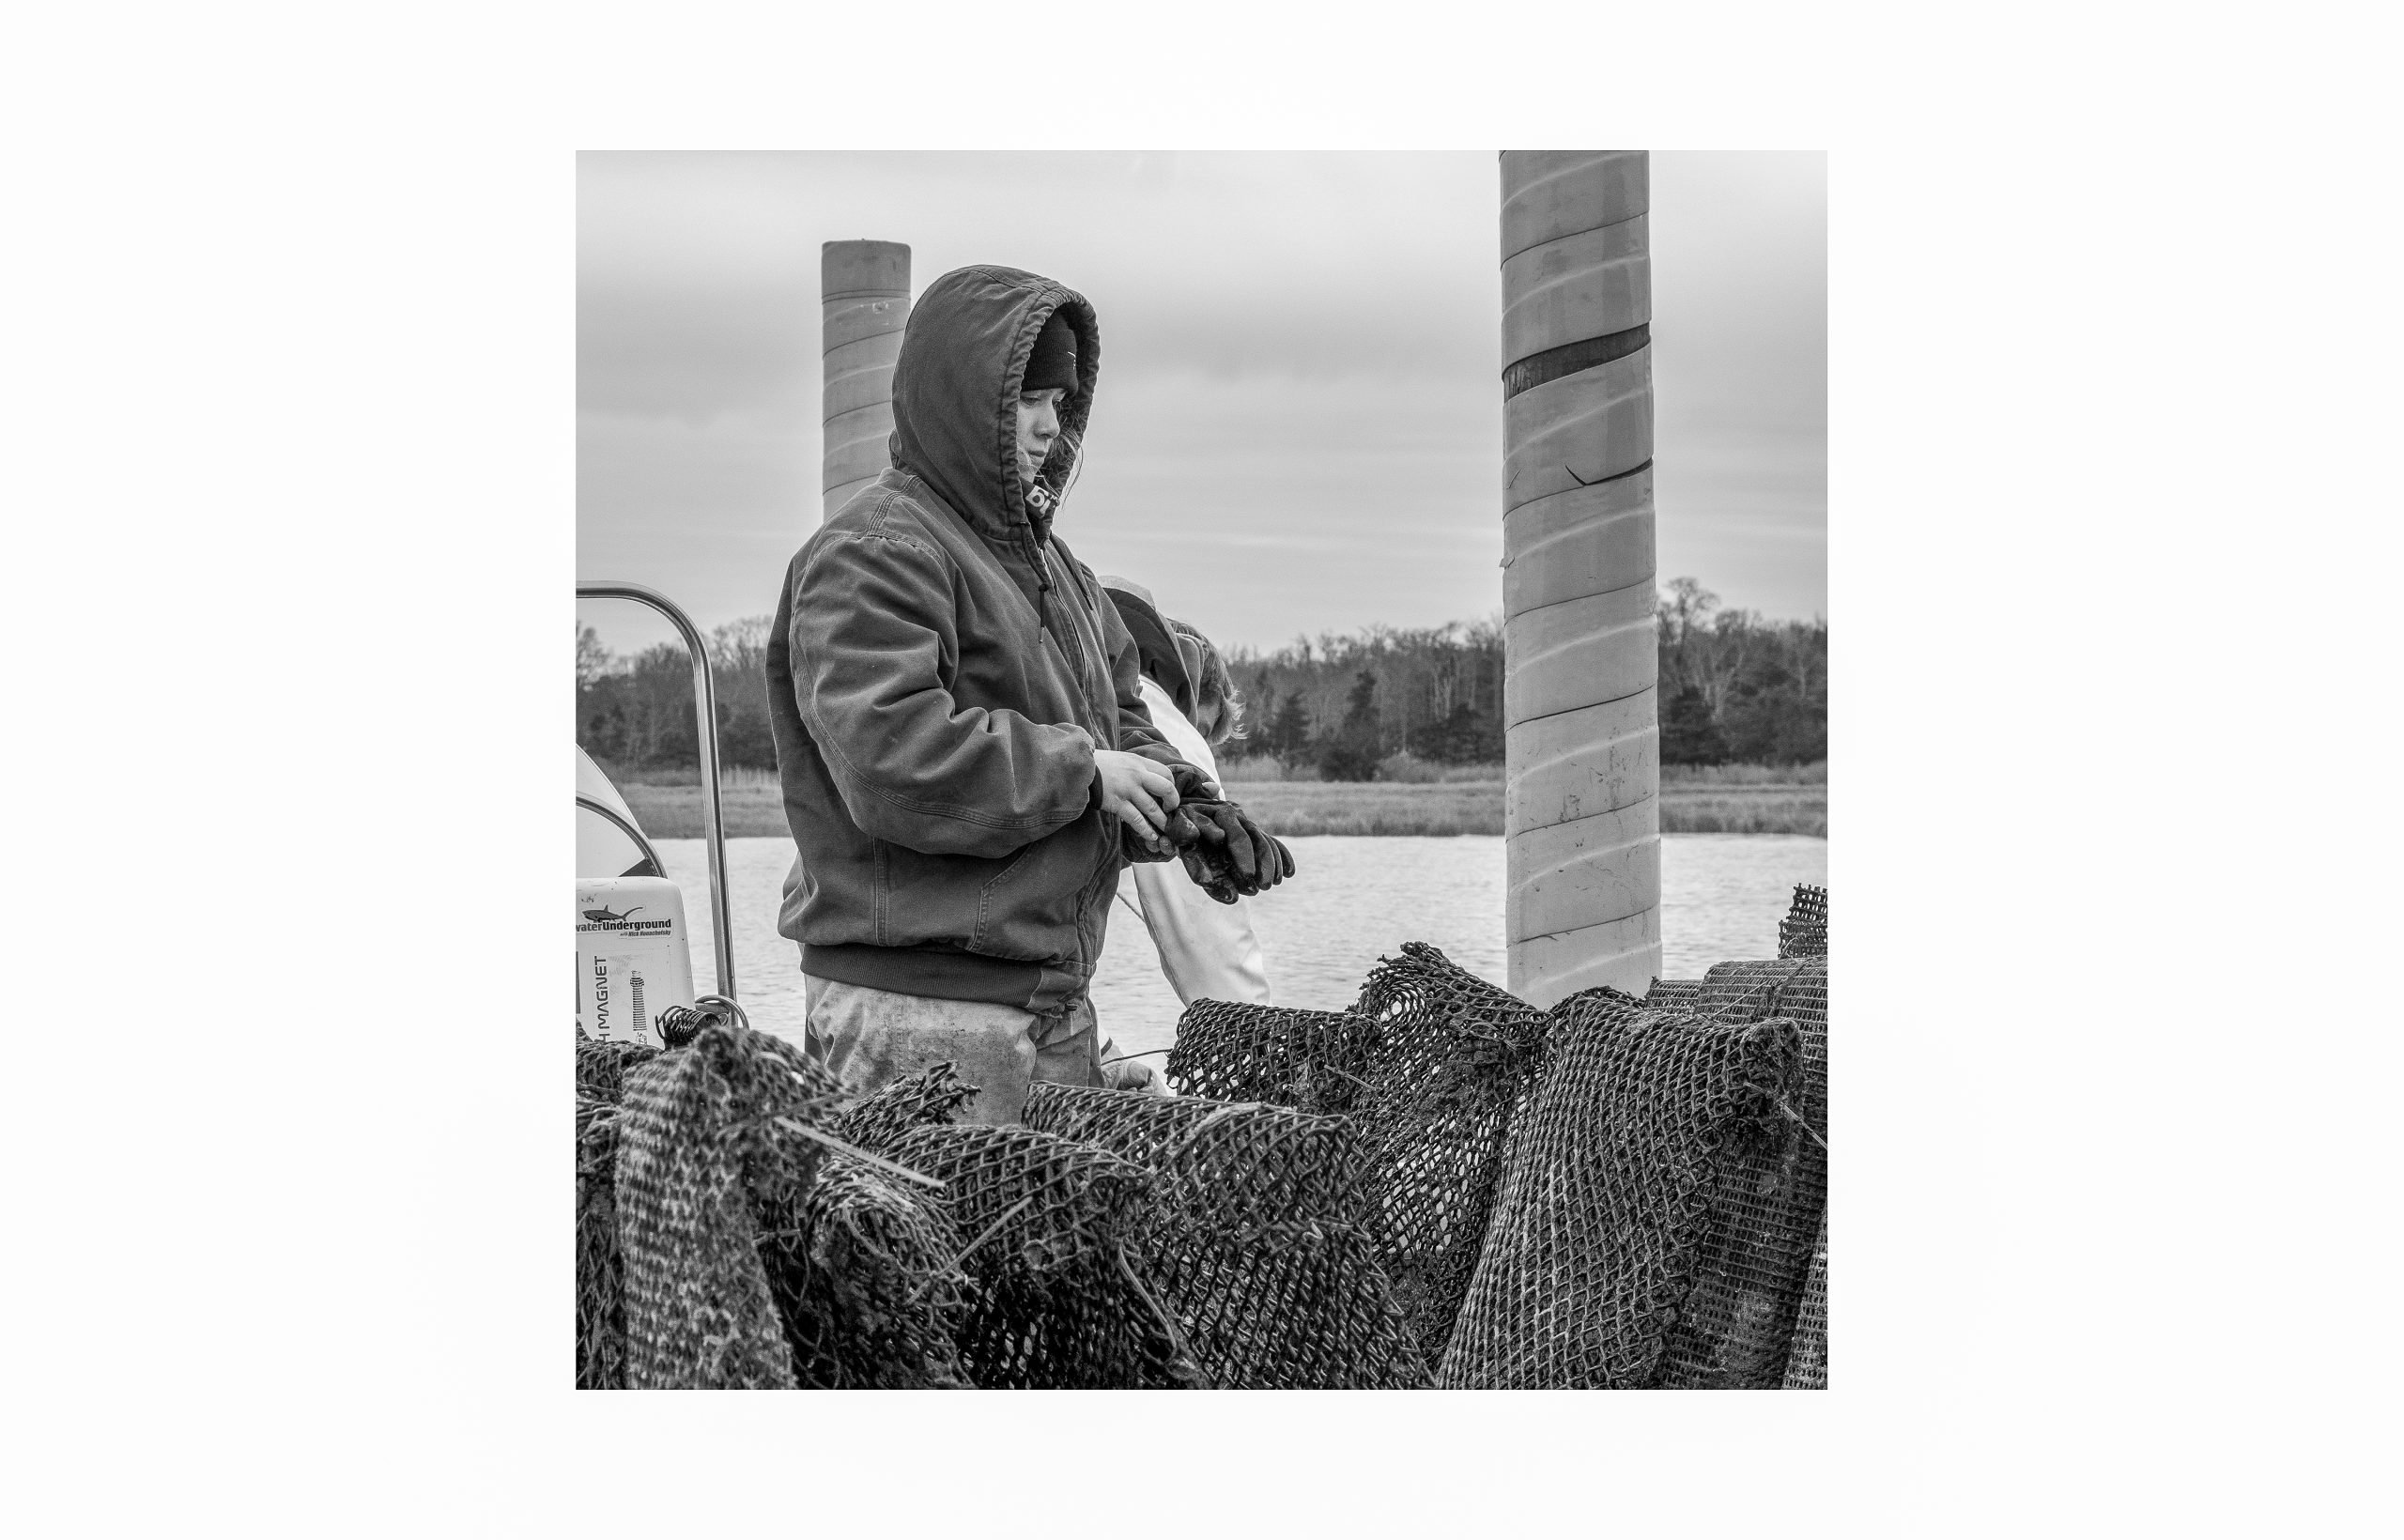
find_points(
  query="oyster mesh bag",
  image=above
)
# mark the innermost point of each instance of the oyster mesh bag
(1252, 1237)
(600, 1274)
(1804, 932)
(864, 1264)
(1616, 1173)
(710, 1135)
(1054, 1299)
(932, 1095)
(1670, 994)
(1750, 1285)
(1230, 1051)
(602, 1063)
(1453, 1059)
(1806, 1360)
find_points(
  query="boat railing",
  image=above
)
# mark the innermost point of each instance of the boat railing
(705, 733)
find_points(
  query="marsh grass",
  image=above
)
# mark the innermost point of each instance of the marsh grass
(1815, 774)
(1294, 808)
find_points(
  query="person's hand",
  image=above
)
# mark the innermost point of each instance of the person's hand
(1134, 1074)
(1138, 792)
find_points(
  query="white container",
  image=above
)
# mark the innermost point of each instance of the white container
(631, 957)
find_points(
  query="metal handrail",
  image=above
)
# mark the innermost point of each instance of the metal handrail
(705, 724)
(625, 827)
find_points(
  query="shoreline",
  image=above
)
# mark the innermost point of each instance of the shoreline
(1295, 809)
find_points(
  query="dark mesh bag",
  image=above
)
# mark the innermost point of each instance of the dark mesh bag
(864, 1271)
(932, 1095)
(1756, 1278)
(710, 1134)
(602, 1063)
(1454, 1057)
(1229, 1051)
(600, 1273)
(1252, 1237)
(1614, 1173)
(1804, 932)
(864, 1266)
(1806, 1359)
(1055, 1300)
(1673, 993)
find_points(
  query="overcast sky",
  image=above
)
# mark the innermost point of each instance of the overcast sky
(1299, 425)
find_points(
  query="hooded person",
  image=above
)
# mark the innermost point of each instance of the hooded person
(960, 731)
(1206, 949)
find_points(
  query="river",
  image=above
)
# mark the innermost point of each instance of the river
(1351, 901)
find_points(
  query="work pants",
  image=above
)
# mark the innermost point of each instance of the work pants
(866, 1037)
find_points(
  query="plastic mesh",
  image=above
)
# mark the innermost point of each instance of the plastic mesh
(602, 1063)
(864, 1273)
(600, 1273)
(1314, 1060)
(1753, 1278)
(1252, 1237)
(1603, 1218)
(932, 1095)
(1453, 1059)
(1673, 993)
(1804, 932)
(706, 1130)
(1055, 1300)
(1806, 1360)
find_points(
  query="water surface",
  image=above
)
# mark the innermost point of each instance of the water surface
(1350, 902)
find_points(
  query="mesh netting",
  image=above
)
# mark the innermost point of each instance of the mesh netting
(1055, 1300)
(602, 1063)
(1673, 993)
(1751, 1282)
(1229, 1051)
(1613, 1175)
(864, 1271)
(600, 1273)
(1806, 1360)
(864, 1266)
(1252, 1237)
(1603, 995)
(932, 1095)
(1804, 932)
(705, 1131)
(1453, 1059)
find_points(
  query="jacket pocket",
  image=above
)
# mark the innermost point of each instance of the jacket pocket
(1032, 907)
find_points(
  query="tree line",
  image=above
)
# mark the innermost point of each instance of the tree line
(1734, 687)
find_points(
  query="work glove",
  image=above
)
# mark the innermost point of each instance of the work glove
(1234, 857)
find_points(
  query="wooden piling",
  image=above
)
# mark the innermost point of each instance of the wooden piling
(864, 288)
(1582, 744)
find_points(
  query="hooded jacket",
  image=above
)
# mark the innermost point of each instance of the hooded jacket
(940, 674)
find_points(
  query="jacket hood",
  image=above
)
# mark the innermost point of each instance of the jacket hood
(956, 387)
(1157, 651)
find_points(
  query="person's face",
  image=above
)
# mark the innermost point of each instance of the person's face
(1039, 425)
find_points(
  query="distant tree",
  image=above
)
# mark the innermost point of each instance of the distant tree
(1460, 736)
(1353, 751)
(1289, 733)
(1688, 735)
(593, 660)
